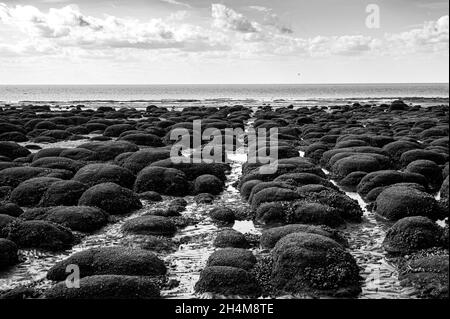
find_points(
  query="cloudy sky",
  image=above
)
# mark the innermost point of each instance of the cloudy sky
(222, 41)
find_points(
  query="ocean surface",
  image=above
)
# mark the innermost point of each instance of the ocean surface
(211, 95)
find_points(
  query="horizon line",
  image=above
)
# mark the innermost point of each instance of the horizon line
(144, 84)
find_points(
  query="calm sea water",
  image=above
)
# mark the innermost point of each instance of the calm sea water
(213, 94)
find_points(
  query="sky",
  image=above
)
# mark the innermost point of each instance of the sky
(223, 41)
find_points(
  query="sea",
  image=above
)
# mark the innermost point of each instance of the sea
(139, 96)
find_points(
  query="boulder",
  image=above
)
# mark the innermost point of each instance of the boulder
(311, 263)
(110, 261)
(410, 234)
(208, 184)
(167, 181)
(94, 174)
(30, 192)
(232, 257)
(112, 198)
(106, 287)
(230, 238)
(8, 253)
(397, 202)
(63, 193)
(150, 225)
(227, 281)
(39, 234)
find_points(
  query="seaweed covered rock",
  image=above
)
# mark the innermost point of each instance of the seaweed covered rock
(428, 275)
(194, 170)
(272, 213)
(315, 214)
(387, 178)
(351, 181)
(230, 238)
(348, 208)
(419, 154)
(271, 236)
(410, 234)
(151, 196)
(108, 150)
(167, 181)
(111, 197)
(429, 169)
(15, 175)
(143, 158)
(208, 184)
(39, 234)
(106, 287)
(227, 281)
(397, 202)
(10, 209)
(232, 257)
(78, 218)
(12, 150)
(273, 194)
(63, 193)
(150, 225)
(360, 162)
(223, 215)
(58, 163)
(110, 261)
(94, 174)
(30, 192)
(397, 148)
(311, 263)
(78, 154)
(143, 139)
(117, 129)
(8, 253)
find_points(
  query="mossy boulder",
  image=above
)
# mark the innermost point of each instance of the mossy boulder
(106, 287)
(225, 280)
(397, 202)
(232, 257)
(94, 174)
(110, 261)
(410, 234)
(311, 263)
(112, 198)
(150, 225)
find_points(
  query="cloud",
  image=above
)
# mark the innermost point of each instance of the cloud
(432, 36)
(224, 17)
(69, 27)
(68, 32)
(177, 3)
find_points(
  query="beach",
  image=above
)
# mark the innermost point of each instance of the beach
(357, 206)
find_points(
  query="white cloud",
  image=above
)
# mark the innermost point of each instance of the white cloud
(177, 3)
(226, 18)
(67, 31)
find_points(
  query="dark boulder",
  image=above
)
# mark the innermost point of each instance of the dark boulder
(410, 234)
(111, 197)
(8, 253)
(106, 287)
(94, 174)
(232, 257)
(311, 263)
(208, 184)
(150, 225)
(167, 181)
(30, 192)
(63, 193)
(227, 281)
(397, 202)
(39, 234)
(110, 261)
(230, 238)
